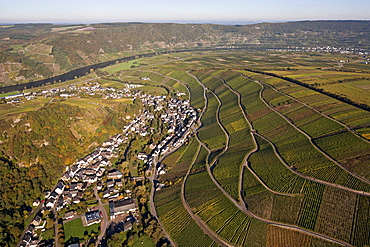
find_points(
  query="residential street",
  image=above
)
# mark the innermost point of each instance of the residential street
(104, 217)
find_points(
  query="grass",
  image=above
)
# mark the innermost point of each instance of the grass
(144, 241)
(48, 234)
(107, 208)
(121, 66)
(8, 94)
(75, 229)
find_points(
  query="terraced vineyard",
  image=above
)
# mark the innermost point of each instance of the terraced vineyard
(271, 163)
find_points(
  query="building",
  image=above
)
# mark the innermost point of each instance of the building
(92, 217)
(121, 207)
(59, 188)
(114, 174)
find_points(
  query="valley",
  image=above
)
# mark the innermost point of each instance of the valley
(274, 149)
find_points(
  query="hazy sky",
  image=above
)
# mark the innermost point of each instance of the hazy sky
(87, 11)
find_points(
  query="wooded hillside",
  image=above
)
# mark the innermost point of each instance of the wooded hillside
(34, 51)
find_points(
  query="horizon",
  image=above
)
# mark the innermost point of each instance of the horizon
(179, 22)
(191, 12)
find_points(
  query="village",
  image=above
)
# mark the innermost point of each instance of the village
(96, 175)
(92, 88)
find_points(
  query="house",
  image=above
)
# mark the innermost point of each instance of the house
(59, 188)
(69, 215)
(73, 193)
(99, 186)
(110, 183)
(114, 174)
(36, 203)
(27, 238)
(100, 173)
(127, 226)
(119, 182)
(50, 202)
(66, 176)
(104, 162)
(53, 195)
(89, 171)
(37, 220)
(81, 185)
(92, 217)
(73, 186)
(90, 178)
(142, 156)
(47, 193)
(74, 245)
(107, 192)
(77, 199)
(121, 207)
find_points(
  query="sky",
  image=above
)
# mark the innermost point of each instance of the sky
(180, 11)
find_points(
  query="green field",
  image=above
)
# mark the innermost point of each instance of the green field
(121, 66)
(74, 229)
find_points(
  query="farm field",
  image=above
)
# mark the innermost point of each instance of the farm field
(353, 85)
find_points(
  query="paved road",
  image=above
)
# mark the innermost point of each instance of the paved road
(153, 211)
(203, 225)
(104, 221)
(56, 227)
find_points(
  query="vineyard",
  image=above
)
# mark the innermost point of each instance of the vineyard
(176, 219)
(211, 133)
(295, 148)
(273, 163)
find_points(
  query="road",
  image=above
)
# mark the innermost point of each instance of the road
(104, 221)
(153, 211)
(203, 225)
(56, 227)
(255, 149)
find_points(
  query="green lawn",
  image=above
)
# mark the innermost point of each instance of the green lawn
(48, 234)
(75, 229)
(7, 94)
(144, 241)
(120, 66)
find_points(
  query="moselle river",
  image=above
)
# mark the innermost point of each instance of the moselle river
(84, 70)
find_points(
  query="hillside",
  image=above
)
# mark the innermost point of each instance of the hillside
(37, 145)
(31, 52)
